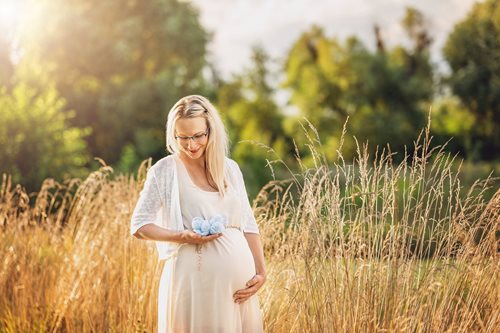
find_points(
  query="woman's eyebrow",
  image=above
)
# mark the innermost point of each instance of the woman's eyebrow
(200, 132)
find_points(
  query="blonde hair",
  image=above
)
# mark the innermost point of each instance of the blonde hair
(217, 146)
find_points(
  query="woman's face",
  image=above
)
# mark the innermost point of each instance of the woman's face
(192, 127)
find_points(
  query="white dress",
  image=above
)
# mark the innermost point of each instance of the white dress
(201, 279)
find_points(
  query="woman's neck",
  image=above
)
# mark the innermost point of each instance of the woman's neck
(198, 162)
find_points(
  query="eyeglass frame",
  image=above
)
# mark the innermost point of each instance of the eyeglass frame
(193, 137)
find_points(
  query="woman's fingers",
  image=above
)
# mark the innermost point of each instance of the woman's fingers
(246, 292)
(253, 285)
(252, 281)
(194, 238)
(241, 300)
(210, 237)
(214, 236)
(243, 296)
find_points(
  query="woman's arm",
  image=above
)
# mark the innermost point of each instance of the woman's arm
(142, 224)
(152, 231)
(258, 254)
(251, 232)
(260, 277)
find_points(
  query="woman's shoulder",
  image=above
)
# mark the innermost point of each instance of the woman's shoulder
(234, 168)
(163, 164)
(231, 162)
(165, 161)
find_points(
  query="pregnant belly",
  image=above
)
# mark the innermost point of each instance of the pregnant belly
(224, 263)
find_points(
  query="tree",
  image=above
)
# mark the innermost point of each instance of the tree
(450, 119)
(384, 93)
(250, 113)
(320, 76)
(35, 137)
(473, 53)
(119, 64)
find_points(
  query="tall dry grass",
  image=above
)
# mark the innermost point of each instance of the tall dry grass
(370, 246)
(375, 246)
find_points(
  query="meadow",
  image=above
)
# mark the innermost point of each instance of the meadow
(368, 245)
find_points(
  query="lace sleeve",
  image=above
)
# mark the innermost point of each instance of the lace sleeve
(147, 205)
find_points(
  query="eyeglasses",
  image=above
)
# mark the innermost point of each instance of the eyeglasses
(196, 138)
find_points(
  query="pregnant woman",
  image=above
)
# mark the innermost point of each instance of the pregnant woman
(195, 206)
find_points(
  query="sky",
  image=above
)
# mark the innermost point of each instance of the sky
(275, 24)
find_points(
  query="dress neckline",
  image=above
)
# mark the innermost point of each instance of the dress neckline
(190, 179)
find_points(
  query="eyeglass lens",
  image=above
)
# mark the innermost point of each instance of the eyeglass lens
(196, 138)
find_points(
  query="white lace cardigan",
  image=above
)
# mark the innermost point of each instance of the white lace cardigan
(158, 202)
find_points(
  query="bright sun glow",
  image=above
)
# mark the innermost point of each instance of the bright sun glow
(11, 13)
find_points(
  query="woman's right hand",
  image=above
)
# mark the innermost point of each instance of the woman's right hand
(191, 237)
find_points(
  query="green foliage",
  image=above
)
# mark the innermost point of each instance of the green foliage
(384, 93)
(129, 159)
(35, 137)
(451, 120)
(147, 143)
(120, 65)
(252, 117)
(473, 52)
(320, 74)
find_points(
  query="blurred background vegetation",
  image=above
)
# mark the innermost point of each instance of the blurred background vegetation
(84, 79)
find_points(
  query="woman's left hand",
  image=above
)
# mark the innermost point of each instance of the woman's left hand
(252, 287)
